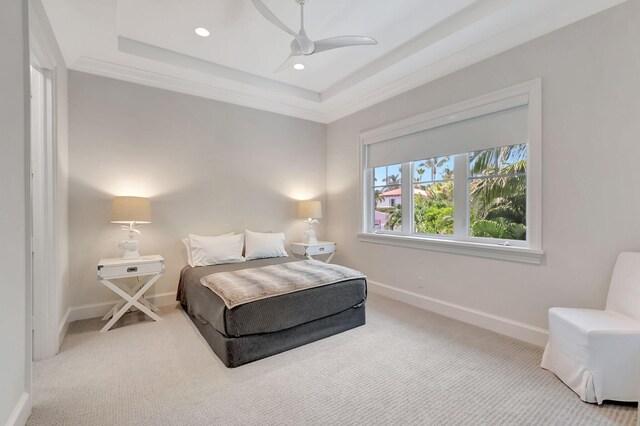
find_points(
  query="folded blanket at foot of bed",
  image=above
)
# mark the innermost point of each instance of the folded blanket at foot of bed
(238, 287)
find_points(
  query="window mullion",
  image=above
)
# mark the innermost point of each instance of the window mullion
(369, 209)
(407, 198)
(460, 196)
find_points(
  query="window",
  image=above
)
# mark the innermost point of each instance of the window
(495, 195)
(433, 196)
(462, 179)
(498, 193)
(387, 198)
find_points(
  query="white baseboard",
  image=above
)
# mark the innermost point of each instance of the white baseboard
(517, 330)
(63, 327)
(21, 412)
(99, 309)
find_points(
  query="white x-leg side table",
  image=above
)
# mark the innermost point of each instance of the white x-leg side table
(309, 250)
(110, 270)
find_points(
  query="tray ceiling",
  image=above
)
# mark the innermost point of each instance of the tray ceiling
(153, 42)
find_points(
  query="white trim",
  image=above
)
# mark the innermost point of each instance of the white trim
(46, 56)
(189, 87)
(390, 79)
(44, 217)
(42, 40)
(511, 97)
(460, 195)
(21, 411)
(63, 327)
(21, 415)
(406, 200)
(149, 51)
(99, 309)
(527, 93)
(491, 251)
(363, 96)
(515, 329)
(534, 166)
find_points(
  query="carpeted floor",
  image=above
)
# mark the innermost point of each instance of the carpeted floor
(406, 366)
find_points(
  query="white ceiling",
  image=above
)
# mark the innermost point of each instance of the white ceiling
(153, 42)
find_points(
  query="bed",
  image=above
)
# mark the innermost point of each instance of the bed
(266, 327)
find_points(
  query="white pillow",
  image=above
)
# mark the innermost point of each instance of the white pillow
(185, 241)
(260, 245)
(215, 250)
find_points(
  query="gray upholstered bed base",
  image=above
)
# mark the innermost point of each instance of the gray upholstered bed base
(236, 351)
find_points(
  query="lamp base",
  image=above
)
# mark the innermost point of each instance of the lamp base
(310, 236)
(130, 249)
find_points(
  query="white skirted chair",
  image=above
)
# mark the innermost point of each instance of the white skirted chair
(597, 353)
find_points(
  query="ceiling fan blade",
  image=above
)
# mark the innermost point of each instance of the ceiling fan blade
(295, 51)
(271, 17)
(285, 64)
(342, 41)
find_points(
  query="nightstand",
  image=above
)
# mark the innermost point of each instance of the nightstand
(110, 270)
(310, 250)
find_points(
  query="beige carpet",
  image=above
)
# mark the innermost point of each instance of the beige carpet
(406, 366)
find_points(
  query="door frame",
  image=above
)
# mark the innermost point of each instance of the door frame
(45, 289)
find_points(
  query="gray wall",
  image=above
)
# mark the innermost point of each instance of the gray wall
(591, 130)
(15, 349)
(208, 167)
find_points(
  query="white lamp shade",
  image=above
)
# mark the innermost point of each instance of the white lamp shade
(310, 209)
(131, 209)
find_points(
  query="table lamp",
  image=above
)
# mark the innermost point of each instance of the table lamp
(310, 211)
(130, 211)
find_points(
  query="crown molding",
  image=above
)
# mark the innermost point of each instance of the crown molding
(448, 27)
(189, 87)
(337, 101)
(42, 41)
(325, 113)
(155, 53)
(375, 92)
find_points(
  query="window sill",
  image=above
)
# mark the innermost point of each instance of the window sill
(515, 254)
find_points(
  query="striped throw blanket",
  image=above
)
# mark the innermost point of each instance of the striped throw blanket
(248, 285)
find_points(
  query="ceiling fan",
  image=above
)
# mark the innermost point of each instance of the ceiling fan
(301, 43)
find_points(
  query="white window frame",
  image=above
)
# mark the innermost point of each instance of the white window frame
(530, 251)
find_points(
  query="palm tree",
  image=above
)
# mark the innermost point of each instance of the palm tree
(490, 160)
(392, 182)
(498, 204)
(499, 228)
(447, 173)
(377, 196)
(508, 187)
(433, 164)
(394, 219)
(440, 191)
(498, 195)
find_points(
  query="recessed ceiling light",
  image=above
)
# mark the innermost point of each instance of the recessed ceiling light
(298, 67)
(202, 32)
